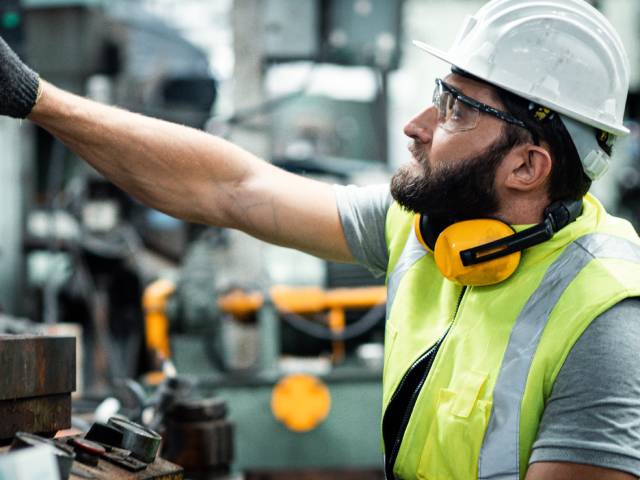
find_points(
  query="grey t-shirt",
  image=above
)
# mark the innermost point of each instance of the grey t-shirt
(593, 414)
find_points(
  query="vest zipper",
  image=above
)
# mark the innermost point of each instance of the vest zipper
(429, 355)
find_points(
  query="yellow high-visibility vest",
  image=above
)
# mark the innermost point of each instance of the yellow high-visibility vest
(499, 347)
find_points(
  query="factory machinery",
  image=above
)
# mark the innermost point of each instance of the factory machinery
(292, 411)
(237, 374)
(263, 421)
(37, 441)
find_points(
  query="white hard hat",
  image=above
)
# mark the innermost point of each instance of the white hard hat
(561, 54)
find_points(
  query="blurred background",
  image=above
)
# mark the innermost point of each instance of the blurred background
(287, 345)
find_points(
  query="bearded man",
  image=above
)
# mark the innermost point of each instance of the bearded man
(512, 325)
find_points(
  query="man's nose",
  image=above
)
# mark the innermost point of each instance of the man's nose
(421, 126)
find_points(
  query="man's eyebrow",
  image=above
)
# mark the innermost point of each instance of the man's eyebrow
(491, 89)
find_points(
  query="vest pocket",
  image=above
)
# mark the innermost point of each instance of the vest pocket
(455, 436)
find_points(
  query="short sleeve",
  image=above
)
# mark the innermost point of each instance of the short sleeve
(593, 414)
(363, 213)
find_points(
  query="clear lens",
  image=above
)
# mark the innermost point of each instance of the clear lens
(453, 114)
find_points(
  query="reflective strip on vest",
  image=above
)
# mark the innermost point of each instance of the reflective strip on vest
(500, 456)
(412, 252)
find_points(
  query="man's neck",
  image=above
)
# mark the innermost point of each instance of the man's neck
(523, 211)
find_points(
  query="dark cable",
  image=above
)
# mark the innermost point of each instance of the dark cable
(363, 325)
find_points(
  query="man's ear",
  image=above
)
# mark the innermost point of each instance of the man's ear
(528, 167)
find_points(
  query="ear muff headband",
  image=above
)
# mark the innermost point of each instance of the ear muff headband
(487, 251)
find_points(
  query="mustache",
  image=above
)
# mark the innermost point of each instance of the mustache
(417, 150)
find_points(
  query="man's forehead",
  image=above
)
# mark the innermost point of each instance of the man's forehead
(475, 89)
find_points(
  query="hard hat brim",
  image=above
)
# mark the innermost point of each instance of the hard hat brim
(434, 51)
(448, 58)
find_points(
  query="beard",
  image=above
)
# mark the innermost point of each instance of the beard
(457, 191)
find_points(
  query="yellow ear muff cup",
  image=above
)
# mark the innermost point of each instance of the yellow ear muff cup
(469, 234)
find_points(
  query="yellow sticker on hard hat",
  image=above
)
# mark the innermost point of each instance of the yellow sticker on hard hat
(542, 113)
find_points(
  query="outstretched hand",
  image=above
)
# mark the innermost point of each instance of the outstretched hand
(18, 84)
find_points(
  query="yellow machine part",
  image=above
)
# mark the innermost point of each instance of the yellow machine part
(154, 302)
(303, 299)
(240, 303)
(300, 300)
(301, 402)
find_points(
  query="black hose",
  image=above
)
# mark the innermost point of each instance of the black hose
(363, 325)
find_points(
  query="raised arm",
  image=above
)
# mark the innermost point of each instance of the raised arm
(195, 176)
(181, 171)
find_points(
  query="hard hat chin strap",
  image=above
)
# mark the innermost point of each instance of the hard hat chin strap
(595, 160)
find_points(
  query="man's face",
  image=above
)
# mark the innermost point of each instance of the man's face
(452, 174)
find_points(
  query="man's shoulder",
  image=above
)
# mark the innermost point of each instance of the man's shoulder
(363, 214)
(593, 413)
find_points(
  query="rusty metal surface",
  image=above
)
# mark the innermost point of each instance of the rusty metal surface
(46, 414)
(35, 366)
(107, 468)
(159, 470)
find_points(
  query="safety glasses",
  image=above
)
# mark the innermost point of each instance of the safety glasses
(458, 113)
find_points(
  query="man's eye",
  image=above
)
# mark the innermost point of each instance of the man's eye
(457, 112)
(450, 104)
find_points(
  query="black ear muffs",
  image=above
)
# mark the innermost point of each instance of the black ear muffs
(487, 251)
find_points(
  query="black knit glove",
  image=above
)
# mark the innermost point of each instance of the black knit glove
(18, 84)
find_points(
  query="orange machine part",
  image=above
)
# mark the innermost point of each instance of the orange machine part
(240, 303)
(301, 402)
(303, 299)
(337, 322)
(154, 302)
